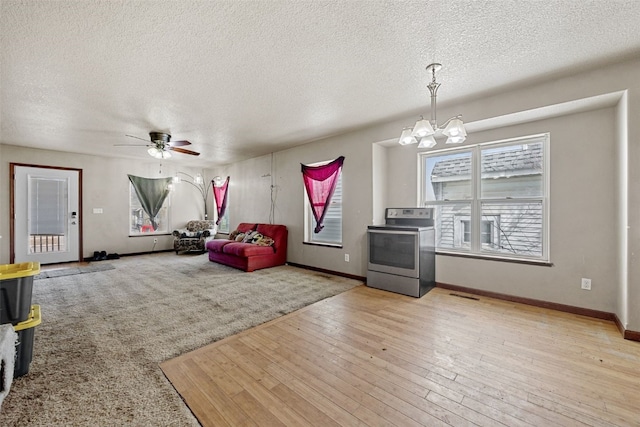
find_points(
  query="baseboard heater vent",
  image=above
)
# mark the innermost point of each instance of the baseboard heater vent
(465, 296)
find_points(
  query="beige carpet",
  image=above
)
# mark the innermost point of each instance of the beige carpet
(96, 353)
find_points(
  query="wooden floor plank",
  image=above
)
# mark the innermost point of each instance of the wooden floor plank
(225, 413)
(373, 358)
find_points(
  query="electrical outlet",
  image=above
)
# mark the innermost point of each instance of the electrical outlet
(155, 240)
(346, 257)
(586, 284)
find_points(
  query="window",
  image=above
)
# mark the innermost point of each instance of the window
(490, 199)
(486, 231)
(331, 234)
(48, 211)
(221, 202)
(223, 227)
(139, 221)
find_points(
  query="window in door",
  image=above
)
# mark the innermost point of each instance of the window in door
(48, 214)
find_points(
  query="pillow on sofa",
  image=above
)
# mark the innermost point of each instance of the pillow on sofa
(248, 238)
(239, 237)
(265, 241)
(234, 234)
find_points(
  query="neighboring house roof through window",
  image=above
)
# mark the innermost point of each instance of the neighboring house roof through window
(515, 162)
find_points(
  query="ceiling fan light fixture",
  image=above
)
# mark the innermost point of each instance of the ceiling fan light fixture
(158, 153)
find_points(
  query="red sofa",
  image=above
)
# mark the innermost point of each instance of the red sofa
(249, 256)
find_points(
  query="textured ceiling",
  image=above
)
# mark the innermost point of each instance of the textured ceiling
(241, 79)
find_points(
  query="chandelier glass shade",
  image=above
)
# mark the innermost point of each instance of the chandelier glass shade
(424, 131)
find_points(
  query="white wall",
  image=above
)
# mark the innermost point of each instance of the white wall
(379, 180)
(590, 148)
(106, 186)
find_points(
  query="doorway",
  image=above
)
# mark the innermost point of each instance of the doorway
(46, 216)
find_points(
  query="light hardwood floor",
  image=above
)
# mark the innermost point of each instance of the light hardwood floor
(373, 358)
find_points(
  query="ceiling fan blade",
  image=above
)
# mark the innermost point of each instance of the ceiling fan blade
(137, 137)
(130, 145)
(183, 151)
(179, 143)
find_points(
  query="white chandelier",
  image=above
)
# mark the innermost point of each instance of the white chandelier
(425, 131)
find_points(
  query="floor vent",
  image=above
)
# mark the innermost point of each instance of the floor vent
(465, 296)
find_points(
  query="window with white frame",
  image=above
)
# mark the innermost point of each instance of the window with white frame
(488, 231)
(490, 199)
(139, 221)
(331, 234)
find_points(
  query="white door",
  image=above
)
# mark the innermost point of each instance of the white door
(47, 216)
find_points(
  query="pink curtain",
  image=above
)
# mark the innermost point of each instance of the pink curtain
(220, 194)
(320, 183)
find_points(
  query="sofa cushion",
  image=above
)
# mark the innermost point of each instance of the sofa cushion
(216, 245)
(246, 249)
(275, 231)
(244, 227)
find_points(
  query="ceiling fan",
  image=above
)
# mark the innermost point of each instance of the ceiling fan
(160, 145)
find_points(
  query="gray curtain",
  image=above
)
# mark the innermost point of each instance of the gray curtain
(151, 192)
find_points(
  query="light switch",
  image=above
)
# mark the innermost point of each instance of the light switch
(97, 210)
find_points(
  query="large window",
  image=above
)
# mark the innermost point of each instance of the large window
(331, 234)
(490, 199)
(139, 221)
